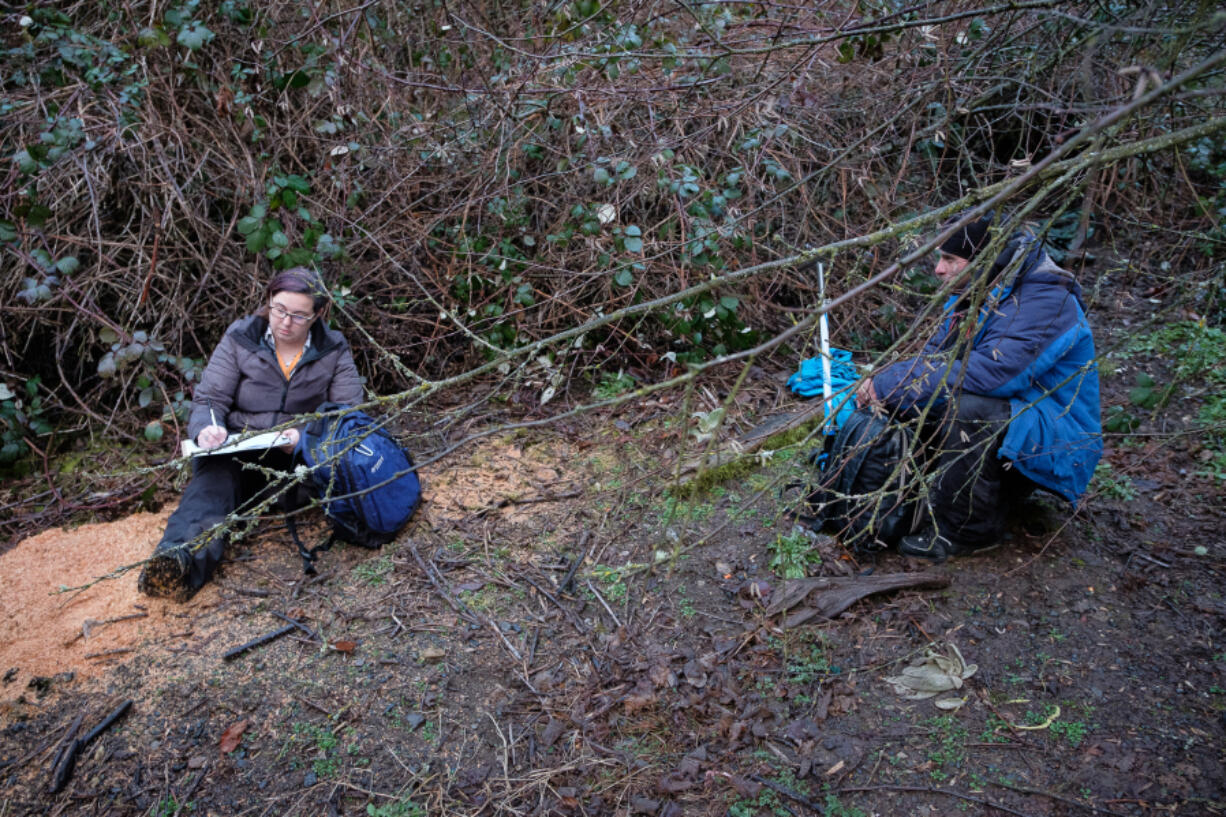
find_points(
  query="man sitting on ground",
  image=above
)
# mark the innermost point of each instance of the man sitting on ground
(1008, 381)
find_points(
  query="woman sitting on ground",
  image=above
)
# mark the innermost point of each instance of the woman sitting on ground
(280, 362)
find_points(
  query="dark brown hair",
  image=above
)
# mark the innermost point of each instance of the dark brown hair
(301, 280)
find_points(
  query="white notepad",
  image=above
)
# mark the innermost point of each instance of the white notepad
(235, 444)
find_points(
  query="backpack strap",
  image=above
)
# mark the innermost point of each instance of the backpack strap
(308, 556)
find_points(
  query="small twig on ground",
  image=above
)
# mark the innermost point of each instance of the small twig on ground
(580, 557)
(26, 758)
(531, 500)
(108, 653)
(1069, 800)
(932, 790)
(191, 790)
(317, 707)
(456, 605)
(575, 621)
(311, 634)
(791, 794)
(235, 652)
(603, 603)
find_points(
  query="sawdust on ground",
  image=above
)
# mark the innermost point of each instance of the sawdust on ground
(45, 632)
(503, 478)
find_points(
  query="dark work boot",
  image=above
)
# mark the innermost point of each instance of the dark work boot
(165, 575)
(930, 545)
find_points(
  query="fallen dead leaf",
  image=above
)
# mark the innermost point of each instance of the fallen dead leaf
(344, 646)
(233, 736)
(932, 673)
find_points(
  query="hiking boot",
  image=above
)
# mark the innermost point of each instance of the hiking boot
(934, 547)
(165, 576)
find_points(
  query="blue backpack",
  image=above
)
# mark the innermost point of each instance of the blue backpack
(364, 479)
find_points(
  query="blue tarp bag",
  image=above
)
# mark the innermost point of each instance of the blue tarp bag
(807, 382)
(364, 479)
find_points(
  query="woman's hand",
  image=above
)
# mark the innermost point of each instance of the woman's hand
(211, 437)
(291, 436)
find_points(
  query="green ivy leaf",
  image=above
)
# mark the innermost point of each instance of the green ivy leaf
(524, 296)
(194, 37)
(37, 214)
(248, 225)
(107, 367)
(601, 176)
(1143, 396)
(154, 431)
(150, 37)
(623, 278)
(327, 247)
(25, 162)
(633, 244)
(68, 264)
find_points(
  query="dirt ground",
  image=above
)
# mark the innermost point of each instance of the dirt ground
(555, 634)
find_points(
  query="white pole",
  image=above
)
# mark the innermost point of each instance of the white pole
(827, 389)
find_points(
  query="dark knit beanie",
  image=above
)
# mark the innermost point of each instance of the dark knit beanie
(969, 239)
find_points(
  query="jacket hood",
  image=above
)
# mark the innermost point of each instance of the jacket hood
(1024, 260)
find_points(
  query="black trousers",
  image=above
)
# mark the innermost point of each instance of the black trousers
(219, 486)
(971, 489)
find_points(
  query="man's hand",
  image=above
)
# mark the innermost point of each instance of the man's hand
(211, 437)
(866, 395)
(291, 435)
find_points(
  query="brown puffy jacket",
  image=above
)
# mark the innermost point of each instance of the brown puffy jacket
(247, 390)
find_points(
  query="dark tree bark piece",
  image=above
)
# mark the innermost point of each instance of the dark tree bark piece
(66, 759)
(830, 595)
(235, 652)
(65, 756)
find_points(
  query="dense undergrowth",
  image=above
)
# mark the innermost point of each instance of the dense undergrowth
(475, 177)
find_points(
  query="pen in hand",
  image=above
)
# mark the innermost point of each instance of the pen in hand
(215, 434)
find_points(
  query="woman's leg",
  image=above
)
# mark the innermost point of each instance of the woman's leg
(181, 562)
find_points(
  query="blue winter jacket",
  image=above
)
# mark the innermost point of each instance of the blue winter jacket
(1031, 344)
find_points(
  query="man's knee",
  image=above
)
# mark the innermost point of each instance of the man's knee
(979, 408)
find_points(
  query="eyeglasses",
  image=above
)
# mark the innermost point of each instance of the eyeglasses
(282, 314)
